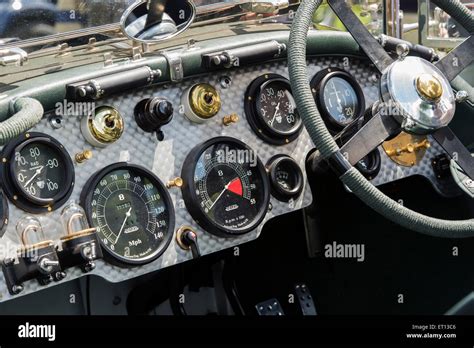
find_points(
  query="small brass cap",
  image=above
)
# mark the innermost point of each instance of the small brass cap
(83, 156)
(230, 119)
(177, 182)
(429, 87)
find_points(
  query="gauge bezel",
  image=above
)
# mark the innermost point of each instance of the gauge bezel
(277, 191)
(191, 198)
(372, 172)
(4, 213)
(260, 127)
(318, 84)
(13, 189)
(86, 198)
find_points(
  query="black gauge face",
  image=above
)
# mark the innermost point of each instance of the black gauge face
(226, 188)
(277, 108)
(370, 165)
(38, 173)
(271, 110)
(132, 212)
(339, 98)
(286, 178)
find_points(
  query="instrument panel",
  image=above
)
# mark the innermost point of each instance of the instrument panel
(222, 154)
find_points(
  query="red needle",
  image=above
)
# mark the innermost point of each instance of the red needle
(235, 186)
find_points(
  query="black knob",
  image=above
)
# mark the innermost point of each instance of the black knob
(153, 113)
(190, 240)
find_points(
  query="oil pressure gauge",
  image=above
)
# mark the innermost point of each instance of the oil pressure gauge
(37, 173)
(271, 110)
(339, 98)
(286, 178)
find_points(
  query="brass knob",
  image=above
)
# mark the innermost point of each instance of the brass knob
(83, 156)
(229, 119)
(409, 148)
(429, 87)
(205, 100)
(177, 182)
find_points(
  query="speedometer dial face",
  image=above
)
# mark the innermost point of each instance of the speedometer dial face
(339, 98)
(132, 212)
(38, 172)
(271, 109)
(226, 187)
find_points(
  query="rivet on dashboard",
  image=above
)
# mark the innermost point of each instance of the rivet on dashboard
(83, 156)
(177, 182)
(230, 119)
(4, 160)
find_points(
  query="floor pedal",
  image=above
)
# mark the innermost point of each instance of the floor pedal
(305, 299)
(269, 307)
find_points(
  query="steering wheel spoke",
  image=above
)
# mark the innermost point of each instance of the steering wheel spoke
(359, 32)
(458, 59)
(455, 149)
(378, 129)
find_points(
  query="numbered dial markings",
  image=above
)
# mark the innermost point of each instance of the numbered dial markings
(37, 173)
(271, 109)
(226, 188)
(339, 98)
(132, 212)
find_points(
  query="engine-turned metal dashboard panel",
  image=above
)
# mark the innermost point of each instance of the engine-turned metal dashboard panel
(165, 158)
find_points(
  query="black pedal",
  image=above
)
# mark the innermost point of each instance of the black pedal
(269, 307)
(305, 299)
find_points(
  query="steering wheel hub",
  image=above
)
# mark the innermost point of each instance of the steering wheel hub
(429, 87)
(419, 95)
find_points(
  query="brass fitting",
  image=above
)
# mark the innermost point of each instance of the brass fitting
(83, 156)
(230, 119)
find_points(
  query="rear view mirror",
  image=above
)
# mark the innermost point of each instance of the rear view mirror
(157, 20)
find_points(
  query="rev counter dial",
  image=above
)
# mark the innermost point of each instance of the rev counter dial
(132, 212)
(339, 98)
(271, 110)
(37, 173)
(226, 188)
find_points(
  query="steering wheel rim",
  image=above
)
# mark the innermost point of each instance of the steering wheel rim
(329, 150)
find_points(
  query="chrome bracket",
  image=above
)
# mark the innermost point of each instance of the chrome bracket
(13, 56)
(175, 65)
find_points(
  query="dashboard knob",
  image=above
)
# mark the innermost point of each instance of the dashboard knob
(153, 113)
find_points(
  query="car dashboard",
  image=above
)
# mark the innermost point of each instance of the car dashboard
(171, 167)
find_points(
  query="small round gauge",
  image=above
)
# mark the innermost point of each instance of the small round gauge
(339, 98)
(370, 165)
(132, 212)
(271, 110)
(37, 172)
(286, 178)
(226, 188)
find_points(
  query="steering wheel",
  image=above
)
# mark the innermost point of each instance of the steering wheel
(415, 96)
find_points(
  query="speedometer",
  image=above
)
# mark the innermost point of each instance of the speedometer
(226, 188)
(132, 212)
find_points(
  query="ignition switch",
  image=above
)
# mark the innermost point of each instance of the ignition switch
(152, 114)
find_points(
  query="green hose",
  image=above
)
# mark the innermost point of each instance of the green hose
(458, 12)
(28, 113)
(327, 147)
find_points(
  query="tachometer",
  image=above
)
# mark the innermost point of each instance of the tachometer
(226, 188)
(37, 172)
(132, 211)
(271, 110)
(339, 98)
